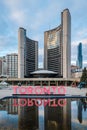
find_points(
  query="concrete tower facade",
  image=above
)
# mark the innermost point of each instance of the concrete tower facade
(27, 54)
(66, 33)
(57, 47)
(21, 43)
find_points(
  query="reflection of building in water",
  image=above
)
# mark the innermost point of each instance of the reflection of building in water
(11, 108)
(82, 104)
(58, 117)
(80, 111)
(28, 118)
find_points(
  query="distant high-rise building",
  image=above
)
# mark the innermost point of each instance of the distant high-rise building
(79, 56)
(57, 47)
(3, 66)
(12, 65)
(27, 54)
(0, 66)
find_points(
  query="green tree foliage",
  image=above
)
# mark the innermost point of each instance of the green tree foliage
(84, 76)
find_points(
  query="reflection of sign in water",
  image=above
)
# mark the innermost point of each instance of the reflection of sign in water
(40, 102)
(40, 90)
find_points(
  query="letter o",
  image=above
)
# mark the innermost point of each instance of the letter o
(22, 104)
(38, 89)
(37, 102)
(60, 104)
(61, 88)
(22, 90)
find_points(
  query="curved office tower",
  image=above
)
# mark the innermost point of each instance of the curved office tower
(52, 50)
(27, 54)
(57, 47)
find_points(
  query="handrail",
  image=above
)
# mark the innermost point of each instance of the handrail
(51, 96)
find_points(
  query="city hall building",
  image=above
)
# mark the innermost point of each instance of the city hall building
(57, 51)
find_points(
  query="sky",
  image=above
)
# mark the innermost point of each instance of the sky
(37, 16)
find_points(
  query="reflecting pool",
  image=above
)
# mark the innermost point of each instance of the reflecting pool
(72, 116)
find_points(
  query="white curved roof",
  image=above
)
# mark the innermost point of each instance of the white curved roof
(43, 72)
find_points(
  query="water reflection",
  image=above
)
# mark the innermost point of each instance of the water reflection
(58, 117)
(79, 115)
(28, 118)
(72, 116)
(79, 111)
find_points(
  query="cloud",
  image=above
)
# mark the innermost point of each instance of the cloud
(41, 55)
(16, 12)
(85, 62)
(82, 33)
(31, 15)
(83, 41)
(38, 37)
(46, 14)
(7, 45)
(18, 16)
(40, 65)
(41, 51)
(73, 56)
(37, 16)
(73, 62)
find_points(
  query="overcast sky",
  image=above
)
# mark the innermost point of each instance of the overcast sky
(38, 16)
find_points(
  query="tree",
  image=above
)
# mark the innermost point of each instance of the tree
(84, 76)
